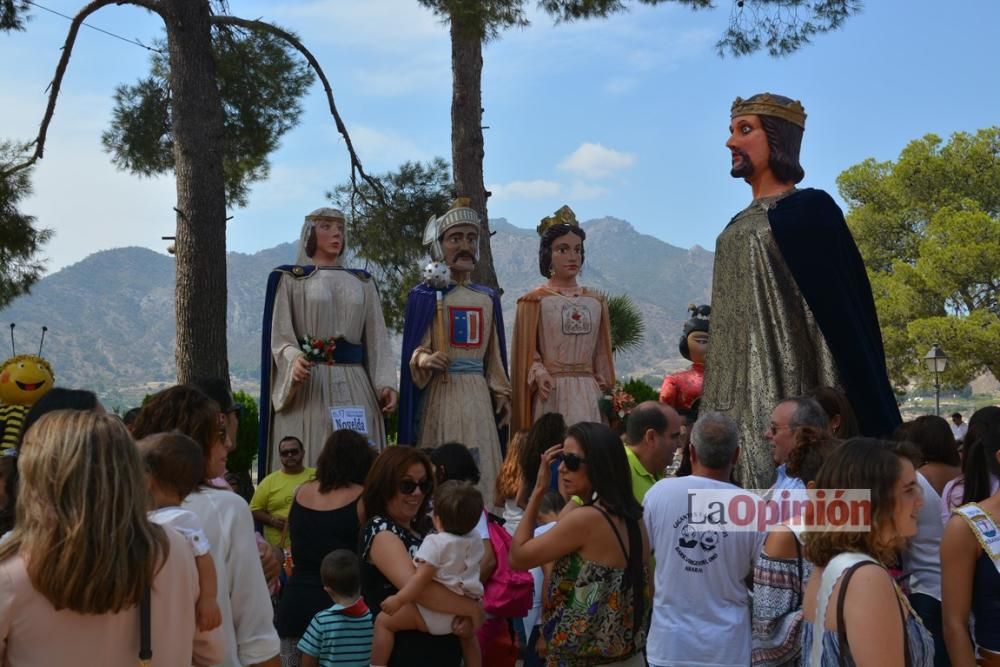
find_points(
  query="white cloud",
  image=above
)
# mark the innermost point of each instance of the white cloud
(596, 161)
(384, 149)
(585, 191)
(620, 85)
(537, 189)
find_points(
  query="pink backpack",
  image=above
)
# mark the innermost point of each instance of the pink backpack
(507, 593)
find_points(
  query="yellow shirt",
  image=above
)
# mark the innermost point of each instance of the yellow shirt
(642, 479)
(274, 495)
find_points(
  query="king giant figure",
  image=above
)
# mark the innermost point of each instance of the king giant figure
(792, 307)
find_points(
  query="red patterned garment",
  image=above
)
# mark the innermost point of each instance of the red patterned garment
(680, 390)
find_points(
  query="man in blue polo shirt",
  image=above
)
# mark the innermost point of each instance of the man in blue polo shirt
(652, 438)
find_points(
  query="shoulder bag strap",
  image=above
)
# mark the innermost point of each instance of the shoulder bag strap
(834, 569)
(842, 627)
(614, 529)
(145, 636)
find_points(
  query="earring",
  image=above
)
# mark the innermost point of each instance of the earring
(552, 271)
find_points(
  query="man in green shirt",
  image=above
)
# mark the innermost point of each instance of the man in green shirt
(652, 438)
(272, 500)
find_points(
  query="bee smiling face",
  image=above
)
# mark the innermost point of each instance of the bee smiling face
(24, 379)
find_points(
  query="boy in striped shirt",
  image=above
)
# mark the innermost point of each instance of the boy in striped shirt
(341, 635)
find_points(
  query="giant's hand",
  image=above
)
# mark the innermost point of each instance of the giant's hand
(301, 369)
(388, 399)
(434, 361)
(545, 385)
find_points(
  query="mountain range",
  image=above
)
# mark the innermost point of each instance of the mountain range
(110, 317)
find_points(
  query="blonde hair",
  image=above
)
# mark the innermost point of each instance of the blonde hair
(81, 514)
(509, 476)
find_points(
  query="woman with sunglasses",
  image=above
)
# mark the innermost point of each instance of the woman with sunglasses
(597, 608)
(395, 499)
(247, 612)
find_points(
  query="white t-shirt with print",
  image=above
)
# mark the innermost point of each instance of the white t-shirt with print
(701, 608)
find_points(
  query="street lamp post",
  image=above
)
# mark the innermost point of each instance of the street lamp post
(936, 361)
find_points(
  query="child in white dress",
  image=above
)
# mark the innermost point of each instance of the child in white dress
(451, 556)
(176, 466)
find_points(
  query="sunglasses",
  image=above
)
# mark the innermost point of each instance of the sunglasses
(237, 410)
(289, 452)
(571, 461)
(408, 486)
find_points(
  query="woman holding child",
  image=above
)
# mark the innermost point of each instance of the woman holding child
(396, 499)
(247, 613)
(598, 605)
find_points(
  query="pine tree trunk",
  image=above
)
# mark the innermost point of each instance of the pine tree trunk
(197, 123)
(467, 151)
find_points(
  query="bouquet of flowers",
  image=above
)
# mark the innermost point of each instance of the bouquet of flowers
(318, 350)
(616, 406)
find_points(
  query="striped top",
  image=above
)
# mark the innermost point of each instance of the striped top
(340, 636)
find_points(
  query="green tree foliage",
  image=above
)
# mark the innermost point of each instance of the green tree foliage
(241, 458)
(639, 390)
(626, 323)
(261, 83)
(928, 227)
(13, 14)
(20, 240)
(386, 229)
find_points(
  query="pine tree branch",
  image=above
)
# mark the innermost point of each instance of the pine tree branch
(56, 84)
(356, 168)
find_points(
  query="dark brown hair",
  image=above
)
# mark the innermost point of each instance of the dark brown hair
(346, 459)
(933, 437)
(545, 247)
(862, 463)
(812, 447)
(340, 571)
(182, 408)
(784, 141)
(834, 403)
(174, 460)
(459, 506)
(382, 482)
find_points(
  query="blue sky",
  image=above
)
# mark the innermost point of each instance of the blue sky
(624, 117)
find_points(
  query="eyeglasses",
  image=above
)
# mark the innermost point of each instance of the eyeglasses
(289, 452)
(774, 428)
(571, 461)
(408, 486)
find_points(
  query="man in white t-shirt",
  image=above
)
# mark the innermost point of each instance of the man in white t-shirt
(958, 427)
(701, 608)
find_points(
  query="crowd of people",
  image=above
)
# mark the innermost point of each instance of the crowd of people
(570, 543)
(131, 535)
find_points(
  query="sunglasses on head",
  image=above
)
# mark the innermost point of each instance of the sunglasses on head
(408, 486)
(571, 461)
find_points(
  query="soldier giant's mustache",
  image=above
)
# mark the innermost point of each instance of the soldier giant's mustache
(466, 255)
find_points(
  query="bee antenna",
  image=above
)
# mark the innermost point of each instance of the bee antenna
(42, 341)
(12, 352)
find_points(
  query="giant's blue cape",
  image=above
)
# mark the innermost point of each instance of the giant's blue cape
(420, 308)
(818, 248)
(299, 273)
